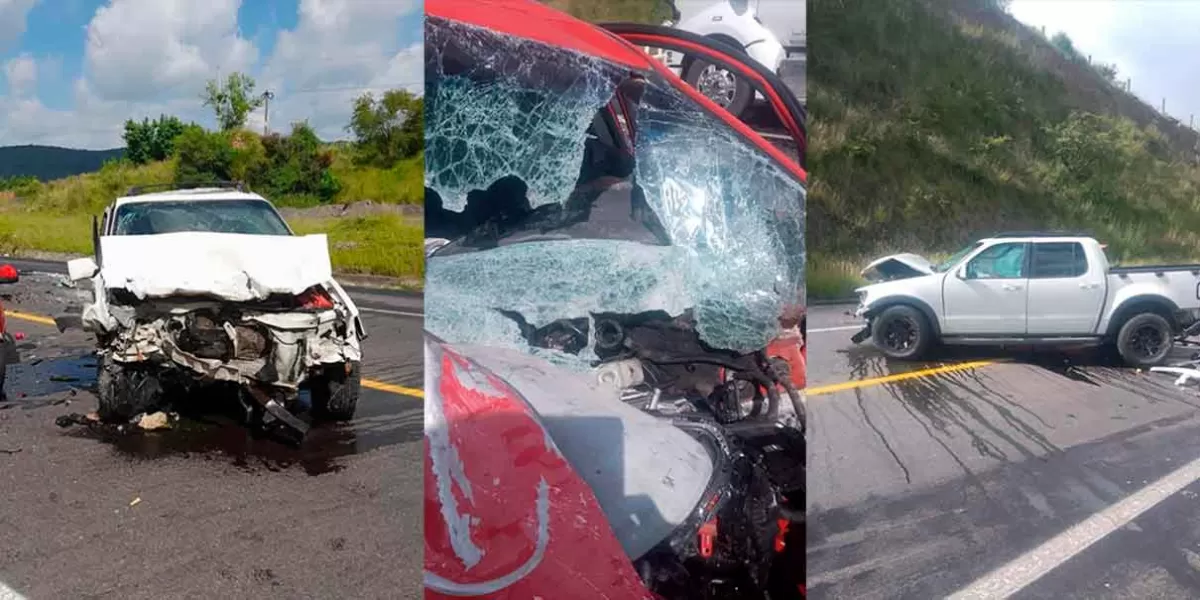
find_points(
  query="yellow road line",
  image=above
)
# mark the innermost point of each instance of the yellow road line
(850, 385)
(367, 383)
(393, 388)
(29, 317)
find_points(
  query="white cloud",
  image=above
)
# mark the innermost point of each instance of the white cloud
(148, 57)
(12, 20)
(1152, 42)
(21, 73)
(145, 48)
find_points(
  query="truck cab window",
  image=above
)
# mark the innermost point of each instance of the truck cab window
(1058, 260)
(1002, 261)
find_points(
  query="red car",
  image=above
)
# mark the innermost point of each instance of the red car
(8, 345)
(615, 354)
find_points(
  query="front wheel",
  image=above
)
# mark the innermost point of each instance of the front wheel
(335, 392)
(902, 332)
(124, 391)
(1145, 340)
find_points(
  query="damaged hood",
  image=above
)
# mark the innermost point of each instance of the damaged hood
(230, 266)
(897, 266)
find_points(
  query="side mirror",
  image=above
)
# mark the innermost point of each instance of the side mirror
(82, 268)
(9, 274)
(961, 273)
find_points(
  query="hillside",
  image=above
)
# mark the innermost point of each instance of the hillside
(935, 121)
(51, 162)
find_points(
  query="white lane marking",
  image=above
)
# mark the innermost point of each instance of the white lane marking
(398, 313)
(839, 328)
(1029, 567)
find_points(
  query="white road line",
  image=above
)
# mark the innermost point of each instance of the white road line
(840, 328)
(399, 313)
(1029, 567)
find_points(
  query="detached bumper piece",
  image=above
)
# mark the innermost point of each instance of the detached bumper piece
(862, 334)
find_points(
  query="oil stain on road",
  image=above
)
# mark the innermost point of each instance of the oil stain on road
(207, 427)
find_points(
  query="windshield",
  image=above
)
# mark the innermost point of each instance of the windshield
(551, 216)
(954, 258)
(254, 217)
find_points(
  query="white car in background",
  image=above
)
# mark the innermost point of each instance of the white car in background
(769, 31)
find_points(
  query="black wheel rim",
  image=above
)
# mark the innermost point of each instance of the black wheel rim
(1147, 341)
(900, 334)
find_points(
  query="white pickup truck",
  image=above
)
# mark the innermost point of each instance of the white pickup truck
(1028, 289)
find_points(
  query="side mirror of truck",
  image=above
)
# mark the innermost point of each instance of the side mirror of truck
(961, 273)
(82, 268)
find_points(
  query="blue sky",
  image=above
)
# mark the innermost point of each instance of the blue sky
(71, 71)
(1152, 42)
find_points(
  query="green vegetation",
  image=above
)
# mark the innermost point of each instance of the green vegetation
(653, 12)
(938, 121)
(383, 164)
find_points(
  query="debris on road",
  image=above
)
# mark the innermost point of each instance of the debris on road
(136, 501)
(154, 421)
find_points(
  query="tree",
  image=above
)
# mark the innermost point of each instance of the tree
(389, 128)
(299, 166)
(232, 101)
(151, 140)
(1109, 72)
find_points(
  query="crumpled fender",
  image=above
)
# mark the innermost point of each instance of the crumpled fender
(506, 516)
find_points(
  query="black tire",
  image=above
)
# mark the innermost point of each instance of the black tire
(125, 392)
(1145, 340)
(743, 93)
(902, 332)
(335, 393)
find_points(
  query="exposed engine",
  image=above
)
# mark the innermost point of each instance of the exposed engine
(746, 537)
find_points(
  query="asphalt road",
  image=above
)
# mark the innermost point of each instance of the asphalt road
(924, 479)
(207, 510)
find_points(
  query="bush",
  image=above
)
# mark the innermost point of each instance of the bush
(299, 166)
(203, 156)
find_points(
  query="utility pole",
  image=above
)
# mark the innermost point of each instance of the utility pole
(267, 97)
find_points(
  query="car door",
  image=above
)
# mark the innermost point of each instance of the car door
(782, 103)
(987, 296)
(1065, 292)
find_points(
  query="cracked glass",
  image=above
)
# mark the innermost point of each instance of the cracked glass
(551, 214)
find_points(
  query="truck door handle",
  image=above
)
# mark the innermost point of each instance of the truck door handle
(1008, 287)
(1088, 286)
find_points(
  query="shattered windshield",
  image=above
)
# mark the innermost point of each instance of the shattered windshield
(218, 216)
(550, 216)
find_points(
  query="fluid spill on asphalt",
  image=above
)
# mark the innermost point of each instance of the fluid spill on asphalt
(220, 436)
(42, 382)
(947, 404)
(209, 429)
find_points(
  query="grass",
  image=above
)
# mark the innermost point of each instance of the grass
(387, 245)
(939, 121)
(56, 216)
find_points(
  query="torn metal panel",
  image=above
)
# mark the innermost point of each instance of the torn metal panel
(229, 266)
(648, 475)
(277, 349)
